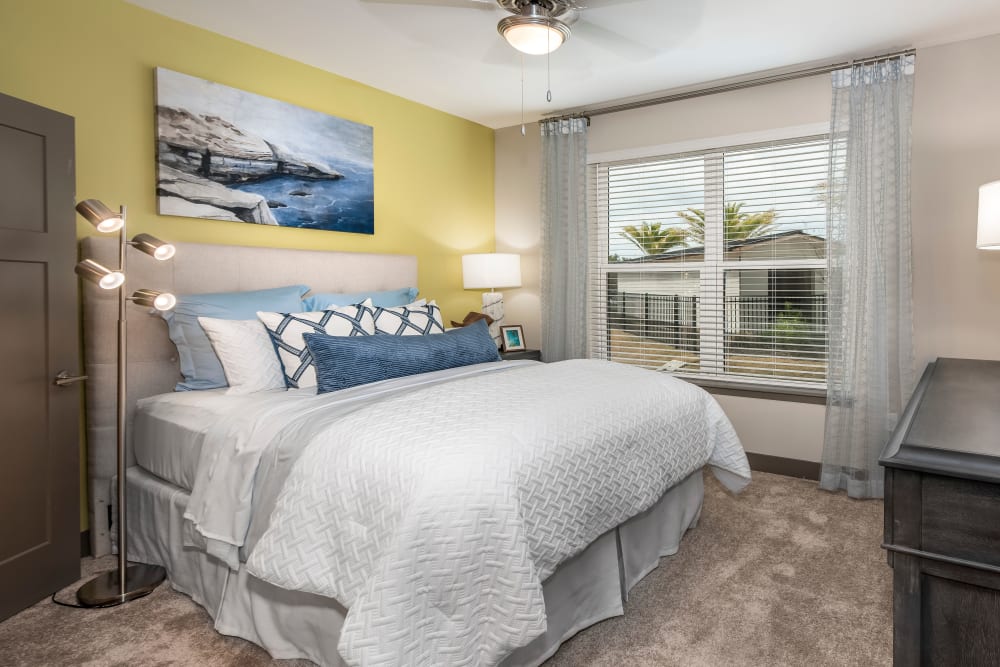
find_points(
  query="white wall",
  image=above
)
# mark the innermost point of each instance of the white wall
(517, 195)
(956, 148)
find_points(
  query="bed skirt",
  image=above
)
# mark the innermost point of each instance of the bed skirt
(588, 588)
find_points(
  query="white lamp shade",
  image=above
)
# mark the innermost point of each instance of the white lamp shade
(491, 270)
(533, 39)
(989, 217)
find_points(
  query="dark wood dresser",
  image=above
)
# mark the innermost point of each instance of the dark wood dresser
(942, 517)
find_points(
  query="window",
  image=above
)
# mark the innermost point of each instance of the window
(713, 264)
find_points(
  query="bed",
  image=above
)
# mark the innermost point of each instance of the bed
(371, 525)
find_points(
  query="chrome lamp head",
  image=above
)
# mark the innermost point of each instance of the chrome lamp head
(100, 275)
(100, 216)
(153, 246)
(161, 301)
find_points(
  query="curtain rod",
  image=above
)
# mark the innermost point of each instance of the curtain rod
(727, 87)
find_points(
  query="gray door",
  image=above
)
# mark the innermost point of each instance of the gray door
(39, 337)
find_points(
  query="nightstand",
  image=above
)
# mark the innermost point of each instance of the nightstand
(534, 355)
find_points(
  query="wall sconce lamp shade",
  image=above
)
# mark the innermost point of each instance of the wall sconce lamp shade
(491, 270)
(100, 275)
(153, 246)
(988, 237)
(99, 215)
(152, 299)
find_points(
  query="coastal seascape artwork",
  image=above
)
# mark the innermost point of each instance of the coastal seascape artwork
(226, 154)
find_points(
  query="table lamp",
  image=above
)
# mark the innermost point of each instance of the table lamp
(491, 271)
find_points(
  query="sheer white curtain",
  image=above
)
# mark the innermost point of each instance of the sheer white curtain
(564, 239)
(870, 376)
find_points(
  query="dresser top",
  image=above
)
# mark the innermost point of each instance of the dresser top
(952, 423)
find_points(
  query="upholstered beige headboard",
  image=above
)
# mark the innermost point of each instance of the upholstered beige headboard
(152, 357)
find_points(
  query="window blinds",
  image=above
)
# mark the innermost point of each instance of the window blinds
(713, 264)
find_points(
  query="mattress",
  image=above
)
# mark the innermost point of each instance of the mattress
(169, 429)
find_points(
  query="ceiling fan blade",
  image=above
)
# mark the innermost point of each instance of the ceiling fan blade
(597, 4)
(462, 4)
(612, 41)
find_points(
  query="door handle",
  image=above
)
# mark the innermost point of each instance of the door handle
(64, 379)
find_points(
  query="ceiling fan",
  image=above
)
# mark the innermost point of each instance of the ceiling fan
(538, 27)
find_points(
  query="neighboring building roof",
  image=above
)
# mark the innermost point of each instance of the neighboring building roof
(817, 243)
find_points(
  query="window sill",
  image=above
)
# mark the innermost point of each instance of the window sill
(813, 395)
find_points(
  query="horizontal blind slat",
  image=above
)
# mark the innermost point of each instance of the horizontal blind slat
(660, 299)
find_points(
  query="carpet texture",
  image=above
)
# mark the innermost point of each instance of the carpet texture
(783, 574)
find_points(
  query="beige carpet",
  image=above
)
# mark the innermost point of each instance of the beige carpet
(783, 574)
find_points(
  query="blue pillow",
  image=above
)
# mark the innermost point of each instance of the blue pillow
(199, 364)
(386, 299)
(343, 361)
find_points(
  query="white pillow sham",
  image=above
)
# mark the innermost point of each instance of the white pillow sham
(286, 330)
(247, 354)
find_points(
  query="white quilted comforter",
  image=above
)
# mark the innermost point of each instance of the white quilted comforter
(435, 514)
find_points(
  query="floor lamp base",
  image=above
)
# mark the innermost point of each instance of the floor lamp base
(104, 590)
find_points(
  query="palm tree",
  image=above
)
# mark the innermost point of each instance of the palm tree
(652, 238)
(736, 224)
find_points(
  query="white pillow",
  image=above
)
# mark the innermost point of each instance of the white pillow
(286, 331)
(247, 354)
(414, 319)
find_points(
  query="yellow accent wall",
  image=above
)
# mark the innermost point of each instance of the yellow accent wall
(94, 60)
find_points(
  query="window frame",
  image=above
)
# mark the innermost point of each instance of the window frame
(712, 150)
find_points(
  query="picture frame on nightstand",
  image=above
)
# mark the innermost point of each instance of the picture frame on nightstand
(512, 337)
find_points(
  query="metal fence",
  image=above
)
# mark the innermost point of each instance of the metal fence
(755, 314)
(668, 318)
(673, 318)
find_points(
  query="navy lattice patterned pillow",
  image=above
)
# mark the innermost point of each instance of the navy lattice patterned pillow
(286, 331)
(414, 319)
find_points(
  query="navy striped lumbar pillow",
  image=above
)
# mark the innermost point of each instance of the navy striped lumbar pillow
(343, 362)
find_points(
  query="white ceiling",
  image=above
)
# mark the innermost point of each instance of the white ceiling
(447, 54)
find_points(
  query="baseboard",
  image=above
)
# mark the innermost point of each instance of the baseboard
(84, 543)
(780, 465)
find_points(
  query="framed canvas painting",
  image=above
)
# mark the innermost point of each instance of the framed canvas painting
(226, 154)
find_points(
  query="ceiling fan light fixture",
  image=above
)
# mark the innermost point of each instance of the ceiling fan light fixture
(533, 32)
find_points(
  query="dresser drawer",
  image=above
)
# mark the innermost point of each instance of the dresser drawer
(961, 518)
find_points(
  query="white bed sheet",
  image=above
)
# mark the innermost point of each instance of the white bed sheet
(169, 429)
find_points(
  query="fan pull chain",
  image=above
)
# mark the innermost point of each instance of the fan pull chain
(548, 67)
(523, 132)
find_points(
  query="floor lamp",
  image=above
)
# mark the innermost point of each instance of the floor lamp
(116, 587)
(490, 271)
